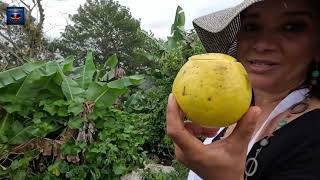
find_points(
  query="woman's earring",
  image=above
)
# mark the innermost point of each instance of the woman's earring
(315, 75)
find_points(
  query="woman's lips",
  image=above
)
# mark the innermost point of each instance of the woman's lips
(261, 66)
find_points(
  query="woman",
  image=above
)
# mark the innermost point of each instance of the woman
(278, 42)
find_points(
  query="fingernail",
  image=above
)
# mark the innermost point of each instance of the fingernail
(170, 98)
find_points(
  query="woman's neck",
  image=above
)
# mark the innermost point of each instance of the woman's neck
(268, 101)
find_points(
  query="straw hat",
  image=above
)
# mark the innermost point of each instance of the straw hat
(217, 31)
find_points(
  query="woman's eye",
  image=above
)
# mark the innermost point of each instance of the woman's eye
(294, 27)
(249, 27)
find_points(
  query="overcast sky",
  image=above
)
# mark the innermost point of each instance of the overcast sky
(155, 15)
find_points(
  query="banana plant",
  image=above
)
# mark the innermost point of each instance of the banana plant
(177, 29)
(40, 97)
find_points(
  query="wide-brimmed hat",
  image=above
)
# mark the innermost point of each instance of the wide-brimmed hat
(217, 31)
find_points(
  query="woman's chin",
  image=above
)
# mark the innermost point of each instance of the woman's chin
(265, 84)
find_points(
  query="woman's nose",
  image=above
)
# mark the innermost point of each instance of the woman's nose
(265, 41)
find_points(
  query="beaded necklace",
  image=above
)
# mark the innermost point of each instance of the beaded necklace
(251, 165)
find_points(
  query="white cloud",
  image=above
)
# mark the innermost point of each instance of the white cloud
(155, 15)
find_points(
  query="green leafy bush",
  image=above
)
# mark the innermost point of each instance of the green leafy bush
(62, 117)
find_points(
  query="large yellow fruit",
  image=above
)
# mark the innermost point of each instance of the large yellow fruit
(213, 90)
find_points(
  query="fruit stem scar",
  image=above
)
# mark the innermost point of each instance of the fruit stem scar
(184, 91)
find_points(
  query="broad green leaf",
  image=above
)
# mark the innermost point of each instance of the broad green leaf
(36, 78)
(87, 73)
(5, 123)
(109, 75)
(55, 107)
(67, 64)
(55, 168)
(15, 74)
(54, 88)
(28, 88)
(119, 168)
(103, 96)
(75, 123)
(18, 74)
(20, 163)
(112, 61)
(136, 79)
(179, 20)
(42, 129)
(71, 148)
(76, 73)
(76, 106)
(171, 43)
(18, 134)
(125, 82)
(119, 84)
(70, 88)
(95, 90)
(177, 29)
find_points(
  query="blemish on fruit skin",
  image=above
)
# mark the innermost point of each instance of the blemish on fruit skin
(209, 98)
(184, 91)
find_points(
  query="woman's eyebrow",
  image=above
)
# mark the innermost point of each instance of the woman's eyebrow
(299, 13)
(287, 13)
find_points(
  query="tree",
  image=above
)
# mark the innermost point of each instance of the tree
(19, 43)
(106, 28)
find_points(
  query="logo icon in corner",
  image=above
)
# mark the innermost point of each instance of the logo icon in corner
(15, 16)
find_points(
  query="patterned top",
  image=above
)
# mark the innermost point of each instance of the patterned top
(293, 152)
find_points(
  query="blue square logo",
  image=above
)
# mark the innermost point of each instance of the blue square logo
(15, 16)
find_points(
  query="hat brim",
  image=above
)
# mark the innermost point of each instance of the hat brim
(217, 31)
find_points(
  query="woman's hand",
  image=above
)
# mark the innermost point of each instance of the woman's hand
(224, 159)
(197, 130)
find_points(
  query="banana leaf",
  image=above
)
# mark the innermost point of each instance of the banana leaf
(88, 70)
(126, 81)
(102, 95)
(70, 88)
(15, 74)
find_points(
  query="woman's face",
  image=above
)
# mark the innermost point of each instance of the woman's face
(277, 41)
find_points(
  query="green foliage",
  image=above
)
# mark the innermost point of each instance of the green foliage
(105, 27)
(154, 92)
(177, 29)
(47, 100)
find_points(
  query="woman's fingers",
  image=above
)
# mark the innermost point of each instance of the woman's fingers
(197, 130)
(244, 129)
(174, 117)
(187, 143)
(209, 132)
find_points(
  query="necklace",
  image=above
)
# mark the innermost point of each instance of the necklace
(251, 165)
